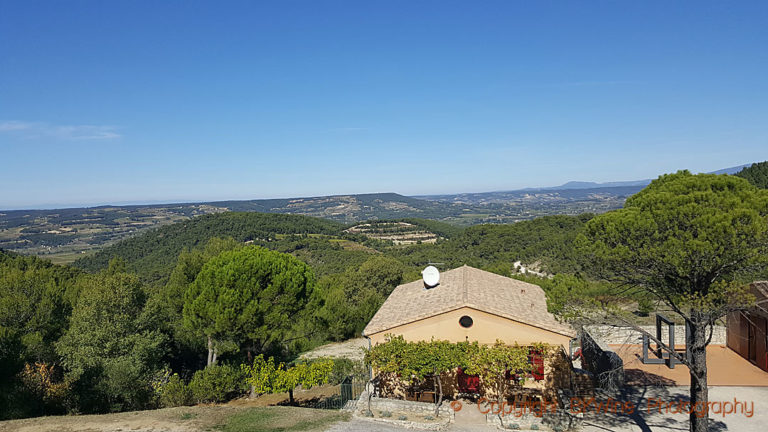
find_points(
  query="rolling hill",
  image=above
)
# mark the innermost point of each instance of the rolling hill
(64, 235)
(154, 252)
(67, 234)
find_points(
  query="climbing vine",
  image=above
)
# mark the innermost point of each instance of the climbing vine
(266, 376)
(415, 361)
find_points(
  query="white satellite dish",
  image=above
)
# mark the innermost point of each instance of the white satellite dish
(431, 276)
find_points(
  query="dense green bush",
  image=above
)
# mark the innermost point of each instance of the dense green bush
(175, 392)
(217, 383)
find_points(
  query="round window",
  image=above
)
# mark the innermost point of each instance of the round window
(465, 321)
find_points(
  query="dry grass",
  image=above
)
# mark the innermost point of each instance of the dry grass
(225, 418)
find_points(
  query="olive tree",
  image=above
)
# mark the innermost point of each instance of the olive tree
(693, 242)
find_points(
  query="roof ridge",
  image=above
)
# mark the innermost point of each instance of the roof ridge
(491, 293)
(464, 289)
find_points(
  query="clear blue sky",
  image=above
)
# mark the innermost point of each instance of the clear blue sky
(130, 101)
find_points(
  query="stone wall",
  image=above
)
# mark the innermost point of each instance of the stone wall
(616, 335)
(558, 374)
(605, 365)
(397, 405)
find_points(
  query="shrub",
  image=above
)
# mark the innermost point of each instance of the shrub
(402, 417)
(386, 414)
(43, 382)
(344, 367)
(174, 392)
(217, 383)
(534, 427)
(513, 426)
(429, 417)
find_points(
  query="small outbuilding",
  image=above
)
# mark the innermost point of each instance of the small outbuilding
(747, 331)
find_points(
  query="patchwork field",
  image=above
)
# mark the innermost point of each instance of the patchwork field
(399, 233)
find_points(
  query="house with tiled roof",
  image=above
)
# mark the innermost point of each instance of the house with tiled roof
(469, 304)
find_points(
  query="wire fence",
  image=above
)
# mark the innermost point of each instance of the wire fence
(349, 390)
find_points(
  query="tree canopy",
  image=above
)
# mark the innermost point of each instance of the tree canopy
(112, 347)
(683, 235)
(250, 296)
(693, 241)
(757, 174)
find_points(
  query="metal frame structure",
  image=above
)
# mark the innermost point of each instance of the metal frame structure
(663, 357)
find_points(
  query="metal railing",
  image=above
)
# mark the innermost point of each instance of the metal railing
(349, 390)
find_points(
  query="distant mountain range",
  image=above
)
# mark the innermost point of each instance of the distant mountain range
(64, 234)
(573, 191)
(593, 185)
(645, 182)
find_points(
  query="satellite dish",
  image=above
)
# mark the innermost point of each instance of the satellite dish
(431, 277)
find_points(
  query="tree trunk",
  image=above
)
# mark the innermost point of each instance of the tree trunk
(215, 354)
(210, 351)
(502, 389)
(440, 395)
(290, 397)
(697, 349)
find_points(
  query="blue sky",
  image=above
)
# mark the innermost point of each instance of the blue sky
(130, 101)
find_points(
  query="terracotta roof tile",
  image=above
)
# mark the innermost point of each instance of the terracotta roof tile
(467, 286)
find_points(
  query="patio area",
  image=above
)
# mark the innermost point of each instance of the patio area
(725, 368)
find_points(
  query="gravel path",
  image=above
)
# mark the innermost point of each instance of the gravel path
(755, 420)
(358, 425)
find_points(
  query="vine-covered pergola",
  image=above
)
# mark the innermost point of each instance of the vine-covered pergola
(499, 366)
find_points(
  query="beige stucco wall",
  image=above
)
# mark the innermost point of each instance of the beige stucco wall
(486, 329)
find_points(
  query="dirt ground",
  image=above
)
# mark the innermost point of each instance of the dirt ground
(180, 419)
(351, 349)
(200, 418)
(302, 397)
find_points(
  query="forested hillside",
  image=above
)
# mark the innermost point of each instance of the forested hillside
(153, 254)
(547, 240)
(757, 174)
(329, 249)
